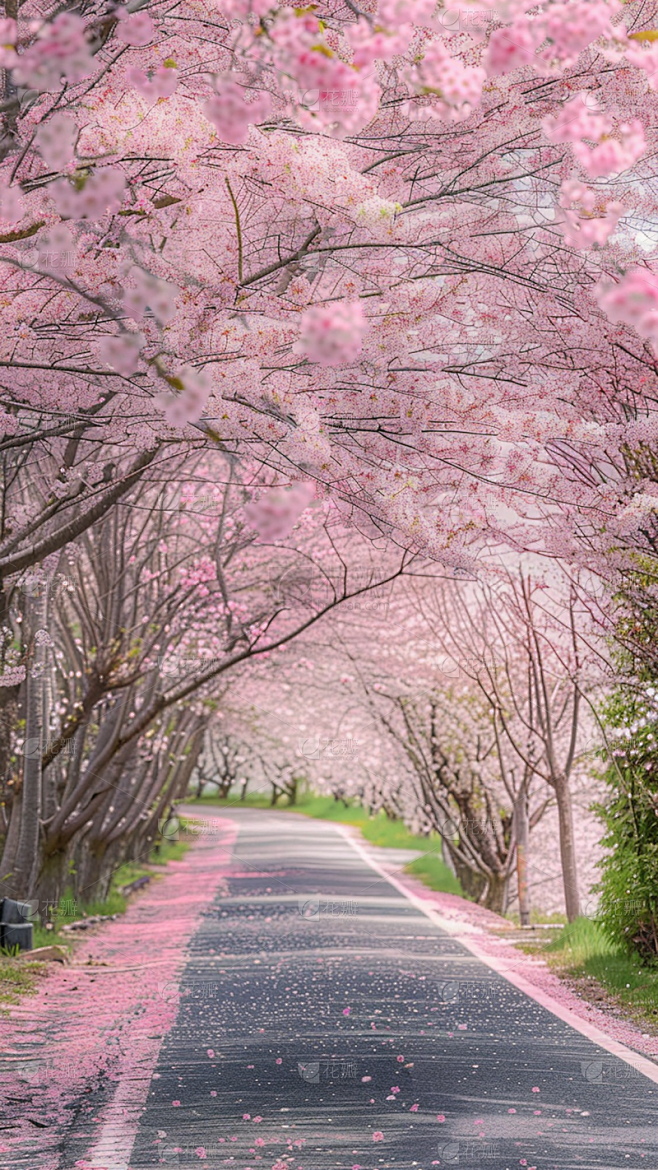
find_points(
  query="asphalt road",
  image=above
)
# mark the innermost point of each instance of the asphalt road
(325, 1022)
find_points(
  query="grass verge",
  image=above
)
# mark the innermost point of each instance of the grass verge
(379, 830)
(603, 973)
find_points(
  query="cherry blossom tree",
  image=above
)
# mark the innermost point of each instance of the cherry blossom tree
(392, 246)
(138, 653)
(223, 762)
(399, 253)
(520, 643)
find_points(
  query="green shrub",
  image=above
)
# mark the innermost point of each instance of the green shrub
(628, 910)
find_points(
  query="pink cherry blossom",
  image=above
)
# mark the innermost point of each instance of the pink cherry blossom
(633, 300)
(274, 515)
(378, 1136)
(571, 27)
(644, 56)
(578, 118)
(147, 291)
(332, 334)
(585, 221)
(325, 91)
(8, 37)
(614, 155)
(100, 193)
(458, 87)
(56, 140)
(510, 48)
(379, 46)
(136, 29)
(231, 115)
(161, 83)
(55, 251)
(60, 51)
(189, 404)
(12, 204)
(122, 352)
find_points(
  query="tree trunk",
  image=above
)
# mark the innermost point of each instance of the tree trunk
(109, 866)
(496, 895)
(25, 869)
(9, 715)
(567, 848)
(90, 871)
(471, 881)
(521, 829)
(51, 881)
(11, 845)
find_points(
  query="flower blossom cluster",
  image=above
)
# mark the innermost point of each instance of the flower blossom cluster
(155, 85)
(332, 334)
(326, 89)
(56, 140)
(101, 192)
(150, 292)
(633, 301)
(551, 40)
(583, 220)
(231, 115)
(60, 51)
(276, 512)
(457, 87)
(581, 122)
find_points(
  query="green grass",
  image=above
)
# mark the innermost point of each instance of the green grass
(169, 851)
(17, 978)
(584, 952)
(251, 801)
(379, 830)
(539, 917)
(434, 872)
(580, 943)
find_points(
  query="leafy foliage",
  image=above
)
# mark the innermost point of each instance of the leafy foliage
(629, 885)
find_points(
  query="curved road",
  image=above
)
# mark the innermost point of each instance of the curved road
(326, 1022)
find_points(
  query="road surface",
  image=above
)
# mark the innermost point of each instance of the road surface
(325, 1022)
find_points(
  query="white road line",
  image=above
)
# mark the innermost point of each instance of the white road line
(635, 1059)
